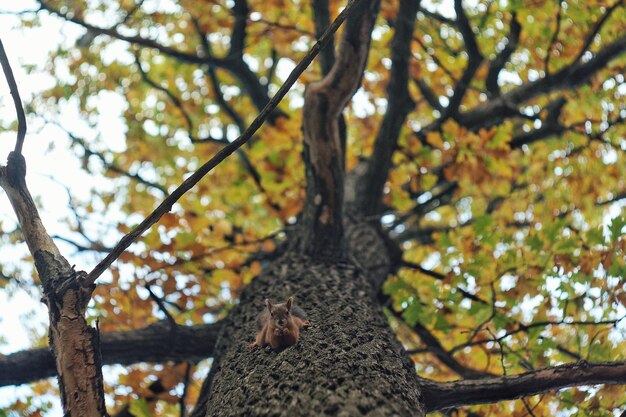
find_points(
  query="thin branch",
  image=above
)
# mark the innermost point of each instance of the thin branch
(137, 40)
(172, 97)
(590, 38)
(21, 117)
(445, 356)
(498, 109)
(167, 204)
(443, 395)
(555, 36)
(159, 301)
(436, 16)
(428, 94)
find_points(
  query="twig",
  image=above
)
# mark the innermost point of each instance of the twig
(21, 117)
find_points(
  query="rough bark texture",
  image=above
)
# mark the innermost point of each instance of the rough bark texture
(348, 363)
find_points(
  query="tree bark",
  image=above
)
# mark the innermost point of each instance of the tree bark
(348, 363)
(66, 293)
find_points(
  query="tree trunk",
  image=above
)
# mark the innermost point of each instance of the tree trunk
(348, 363)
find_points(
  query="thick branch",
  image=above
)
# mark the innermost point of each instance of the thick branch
(321, 16)
(169, 201)
(156, 343)
(442, 395)
(498, 109)
(399, 104)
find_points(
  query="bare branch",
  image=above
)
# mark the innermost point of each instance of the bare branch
(442, 395)
(505, 106)
(169, 201)
(21, 117)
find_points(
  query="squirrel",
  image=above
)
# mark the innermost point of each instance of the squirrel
(280, 325)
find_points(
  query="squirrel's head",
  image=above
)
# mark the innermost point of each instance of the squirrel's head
(280, 312)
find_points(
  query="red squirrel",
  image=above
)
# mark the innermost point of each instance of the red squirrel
(280, 325)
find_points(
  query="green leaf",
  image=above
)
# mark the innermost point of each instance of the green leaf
(616, 227)
(535, 243)
(566, 246)
(413, 312)
(139, 408)
(482, 223)
(595, 236)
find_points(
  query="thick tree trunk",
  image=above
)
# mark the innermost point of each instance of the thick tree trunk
(348, 363)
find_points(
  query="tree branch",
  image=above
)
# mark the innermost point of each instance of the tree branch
(321, 17)
(497, 64)
(399, 104)
(159, 342)
(443, 395)
(504, 106)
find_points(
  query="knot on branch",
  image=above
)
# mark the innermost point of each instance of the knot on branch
(75, 281)
(16, 170)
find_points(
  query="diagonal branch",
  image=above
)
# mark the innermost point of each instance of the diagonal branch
(222, 154)
(445, 356)
(596, 29)
(443, 395)
(137, 40)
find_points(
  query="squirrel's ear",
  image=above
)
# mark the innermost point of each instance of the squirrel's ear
(268, 303)
(289, 303)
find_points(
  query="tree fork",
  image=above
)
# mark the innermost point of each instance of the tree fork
(324, 101)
